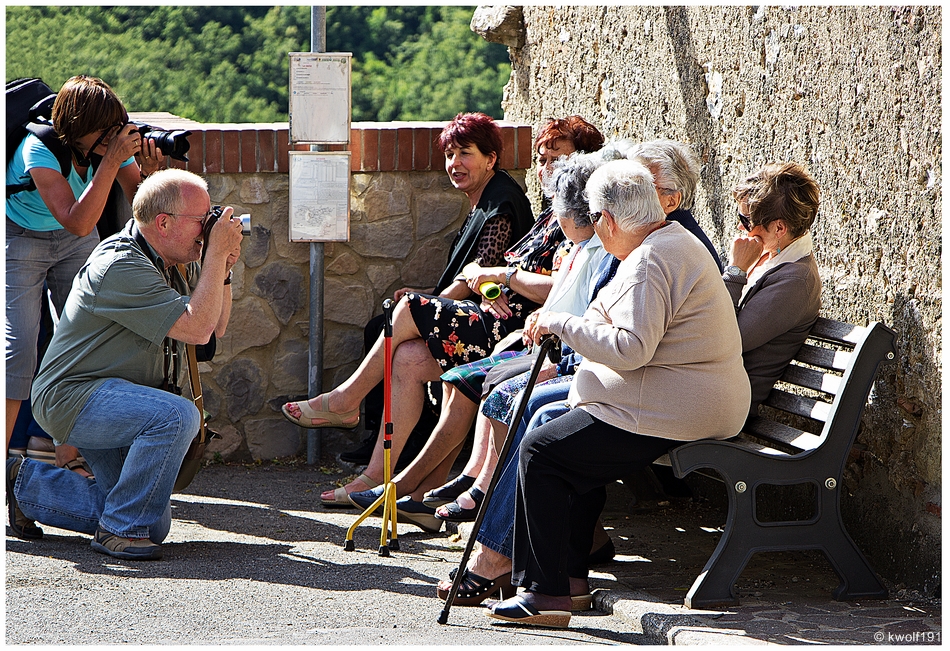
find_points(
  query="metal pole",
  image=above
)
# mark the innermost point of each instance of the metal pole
(318, 43)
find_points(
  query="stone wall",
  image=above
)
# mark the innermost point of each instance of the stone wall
(854, 93)
(404, 215)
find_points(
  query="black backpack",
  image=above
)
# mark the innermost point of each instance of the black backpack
(29, 106)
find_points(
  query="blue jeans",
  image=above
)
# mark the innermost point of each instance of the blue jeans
(134, 438)
(32, 258)
(546, 402)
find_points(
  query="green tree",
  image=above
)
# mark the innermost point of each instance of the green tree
(230, 64)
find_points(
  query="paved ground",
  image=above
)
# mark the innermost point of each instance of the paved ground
(252, 560)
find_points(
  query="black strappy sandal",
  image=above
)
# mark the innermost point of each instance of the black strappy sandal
(456, 513)
(474, 589)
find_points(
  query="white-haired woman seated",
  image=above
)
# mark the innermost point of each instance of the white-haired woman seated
(662, 365)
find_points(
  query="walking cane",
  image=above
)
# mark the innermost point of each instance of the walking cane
(552, 346)
(388, 498)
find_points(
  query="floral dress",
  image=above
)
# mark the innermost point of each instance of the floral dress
(459, 332)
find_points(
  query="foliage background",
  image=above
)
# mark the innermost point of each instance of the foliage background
(230, 64)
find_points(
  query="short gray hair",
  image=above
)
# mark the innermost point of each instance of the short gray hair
(568, 178)
(162, 192)
(675, 165)
(625, 189)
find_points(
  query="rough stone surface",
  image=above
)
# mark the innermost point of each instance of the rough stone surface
(392, 238)
(253, 191)
(343, 347)
(346, 301)
(854, 94)
(242, 382)
(272, 438)
(438, 211)
(290, 366)
(281, 285)
(501, 24)
(227, 442)
(344, 265)
(256, 246)
(424, 267)
(255, 326)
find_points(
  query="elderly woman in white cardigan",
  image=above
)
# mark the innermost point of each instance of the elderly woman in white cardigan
(662, 365)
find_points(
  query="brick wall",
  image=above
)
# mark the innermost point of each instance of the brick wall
(374, 146)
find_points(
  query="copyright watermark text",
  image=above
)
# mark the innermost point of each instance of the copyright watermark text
(912, 637)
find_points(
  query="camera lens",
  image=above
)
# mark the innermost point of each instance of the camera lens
(245, 224)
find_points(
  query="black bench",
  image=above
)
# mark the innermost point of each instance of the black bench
(828, 382)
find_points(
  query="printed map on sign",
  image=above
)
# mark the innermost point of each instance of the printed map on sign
(319, 196)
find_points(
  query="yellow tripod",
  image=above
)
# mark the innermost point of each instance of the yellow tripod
(388, 498)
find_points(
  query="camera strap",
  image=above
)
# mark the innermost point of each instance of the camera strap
(191, 357)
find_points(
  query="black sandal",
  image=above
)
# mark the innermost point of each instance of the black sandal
(456, 513)
(474, 589)
(447, 493)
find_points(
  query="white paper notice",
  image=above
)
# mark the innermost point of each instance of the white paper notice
(320, 97)
(319, 196)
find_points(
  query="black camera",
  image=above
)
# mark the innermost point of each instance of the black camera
(170, 143)
(213, 217)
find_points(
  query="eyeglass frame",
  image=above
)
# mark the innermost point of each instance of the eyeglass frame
(203, 218)
(594, 217)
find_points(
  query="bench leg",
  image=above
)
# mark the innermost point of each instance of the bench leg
(858, 580)
(713, 586)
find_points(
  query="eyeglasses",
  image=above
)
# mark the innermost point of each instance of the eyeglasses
(203, 217)
(594, 217)
(745, 221)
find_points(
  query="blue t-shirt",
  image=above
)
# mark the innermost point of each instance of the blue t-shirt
(27, 209)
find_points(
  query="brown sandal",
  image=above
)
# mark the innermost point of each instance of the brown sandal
(78, 467)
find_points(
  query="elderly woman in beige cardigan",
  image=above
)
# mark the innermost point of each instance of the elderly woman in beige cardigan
(662, 364)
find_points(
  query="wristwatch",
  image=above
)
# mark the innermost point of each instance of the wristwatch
(733, 270)
(508, 274)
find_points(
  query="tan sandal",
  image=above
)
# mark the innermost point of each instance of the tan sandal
(341, 499)
(308, 415)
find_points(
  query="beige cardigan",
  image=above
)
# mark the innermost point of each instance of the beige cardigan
(661, 346)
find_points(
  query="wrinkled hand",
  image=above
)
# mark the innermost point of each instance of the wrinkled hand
(149, 158)
(526, 337)
(498, 308)
(226, 236)
(746, 251)
(542, 326)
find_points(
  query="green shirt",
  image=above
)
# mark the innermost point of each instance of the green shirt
(116, 318)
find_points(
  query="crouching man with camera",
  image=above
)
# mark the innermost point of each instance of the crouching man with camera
(99, 387)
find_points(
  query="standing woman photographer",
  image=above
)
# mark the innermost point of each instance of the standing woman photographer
(51, 230)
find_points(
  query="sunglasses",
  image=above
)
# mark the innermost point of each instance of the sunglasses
(745, 221)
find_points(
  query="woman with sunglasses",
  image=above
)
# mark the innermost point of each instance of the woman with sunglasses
(772, 274)
(51, 230)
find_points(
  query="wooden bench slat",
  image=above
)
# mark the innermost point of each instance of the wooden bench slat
(826, 358)
(812, 379)
(779, 435)
(799, 405)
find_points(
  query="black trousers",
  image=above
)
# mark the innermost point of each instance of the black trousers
(564, 468)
